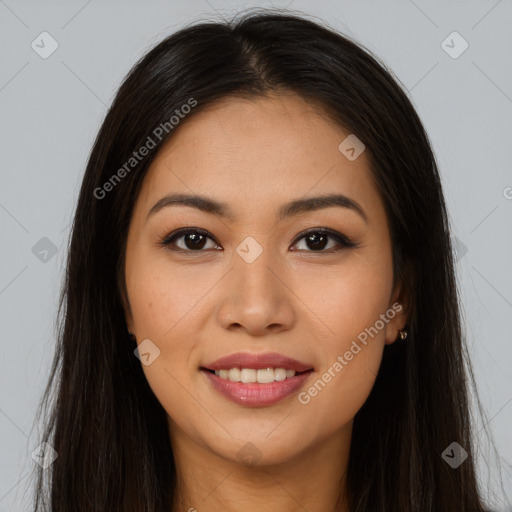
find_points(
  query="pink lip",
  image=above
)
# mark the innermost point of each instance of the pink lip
(255, 394)
(258, 361)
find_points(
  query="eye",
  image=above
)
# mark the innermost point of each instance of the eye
(316, 239)
(195, 239)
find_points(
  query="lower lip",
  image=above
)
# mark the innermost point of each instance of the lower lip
(255, 394)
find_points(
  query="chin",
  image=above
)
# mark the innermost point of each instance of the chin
(260, 450)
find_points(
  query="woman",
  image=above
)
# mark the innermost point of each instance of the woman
(260, 309)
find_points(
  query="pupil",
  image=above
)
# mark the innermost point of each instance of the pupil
(315, 244)
(197, 243)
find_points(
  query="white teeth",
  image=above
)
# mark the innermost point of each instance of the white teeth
(234, 374)
(247, 375)
(250, 375)
(264, 376)
(280, 374)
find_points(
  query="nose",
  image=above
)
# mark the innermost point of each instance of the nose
(256, 299)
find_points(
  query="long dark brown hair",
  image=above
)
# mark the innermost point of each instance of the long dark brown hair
(102, 418)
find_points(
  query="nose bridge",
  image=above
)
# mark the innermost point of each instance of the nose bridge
(256, 298)
(252, 267)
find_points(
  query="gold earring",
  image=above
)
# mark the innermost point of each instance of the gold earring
(402, 333)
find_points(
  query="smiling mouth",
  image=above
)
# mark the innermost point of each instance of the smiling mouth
(251, 387)
(256, 376)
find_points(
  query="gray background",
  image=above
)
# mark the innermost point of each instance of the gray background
(52, 108)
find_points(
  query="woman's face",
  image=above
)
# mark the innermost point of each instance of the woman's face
(253, 287)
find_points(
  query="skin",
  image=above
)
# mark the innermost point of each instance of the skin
(306, 303)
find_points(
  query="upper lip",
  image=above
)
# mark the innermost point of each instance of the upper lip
(257, 361)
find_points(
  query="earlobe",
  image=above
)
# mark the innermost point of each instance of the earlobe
(400, 334)
(398, 315)
(396, 328)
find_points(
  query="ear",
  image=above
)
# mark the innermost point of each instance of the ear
(397, 313)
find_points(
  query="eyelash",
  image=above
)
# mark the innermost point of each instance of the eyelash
(344, 241)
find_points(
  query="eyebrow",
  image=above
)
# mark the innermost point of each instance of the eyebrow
(287, 210)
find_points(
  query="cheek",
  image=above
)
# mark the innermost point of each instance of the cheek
(162, 306)
(168, 307)
(337, 392)
(345, 300)
(162, 295)
(351, 303)
(160, 302)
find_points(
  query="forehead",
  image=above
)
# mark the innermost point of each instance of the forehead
(236, 130)
(253, 153)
